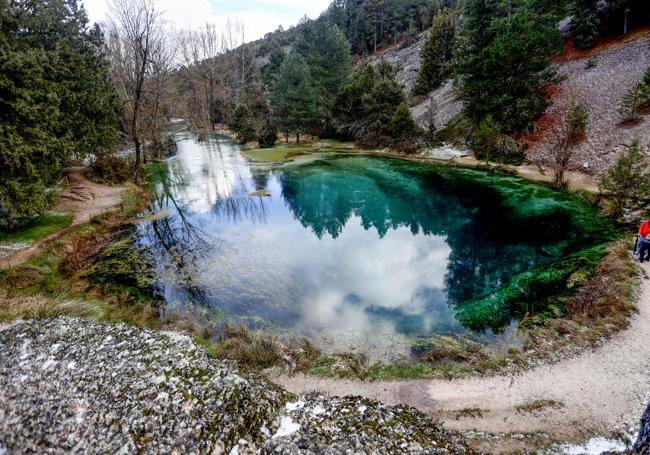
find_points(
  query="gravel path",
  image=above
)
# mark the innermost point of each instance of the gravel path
(597, 392)
(81, 197)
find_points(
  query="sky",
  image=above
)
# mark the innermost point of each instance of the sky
(258, 16)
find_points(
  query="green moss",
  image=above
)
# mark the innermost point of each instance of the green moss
(286, 152)
(35, 229)
(534, 291)
(276, 154)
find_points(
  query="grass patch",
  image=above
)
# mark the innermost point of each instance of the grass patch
(470, 413)
(41, 307)
(286, 152)
(538, 405)
(37, 228)
(277, 154)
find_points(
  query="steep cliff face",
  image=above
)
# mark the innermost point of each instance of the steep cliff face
(72, 386)
(597, 79)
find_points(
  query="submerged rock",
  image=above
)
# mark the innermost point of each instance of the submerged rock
(72, 386)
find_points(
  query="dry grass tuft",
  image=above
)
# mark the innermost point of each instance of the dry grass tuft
(609, 293)
(248, 348)
(470, 413)
(40, 307)
(538, 405)
(20, 277)
(263, 350)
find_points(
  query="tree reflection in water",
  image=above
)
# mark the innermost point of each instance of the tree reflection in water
(350, 245)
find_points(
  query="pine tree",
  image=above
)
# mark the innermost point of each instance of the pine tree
(294, 99)
(503, 61)
(437, 54)
(326, 51)
(271, 70)
(268, 135)
(401, 124)
(365, 108)
(627, 182)
(637, 98)
(56, 100)
(243, 124)
(584, 24)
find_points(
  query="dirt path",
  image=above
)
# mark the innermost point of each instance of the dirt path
(599, 390)
(81, 197)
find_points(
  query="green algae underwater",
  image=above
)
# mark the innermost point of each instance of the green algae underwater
(361, 251)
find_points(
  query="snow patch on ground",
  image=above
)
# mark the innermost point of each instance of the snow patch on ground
(287, 427)
(317, 410)
(294, 406)
(594, 446)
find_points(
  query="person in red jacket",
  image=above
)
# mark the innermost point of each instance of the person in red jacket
(643, 245)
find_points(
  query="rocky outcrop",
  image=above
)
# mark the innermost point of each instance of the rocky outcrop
(642, 444)
(441, 105)
(72, 386)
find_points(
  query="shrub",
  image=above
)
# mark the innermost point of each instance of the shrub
(111, 169)
(584, 24)
(401, 124)
(636, 99)
(509, 151)
(627, 182)
(486, 137)
(491, 145)
(243, 124)
(268, 135)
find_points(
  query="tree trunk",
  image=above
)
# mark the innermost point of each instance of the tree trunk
(136, 171)
(298, 138)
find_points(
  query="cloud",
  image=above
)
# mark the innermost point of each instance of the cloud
(258, 16)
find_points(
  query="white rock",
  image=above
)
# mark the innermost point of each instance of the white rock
(293, 406)
(287, 427)
(50, 362)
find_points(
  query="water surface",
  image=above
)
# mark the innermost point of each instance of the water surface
(351, 250)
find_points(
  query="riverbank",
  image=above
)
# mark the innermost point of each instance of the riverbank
(599, 392)
(82, 199)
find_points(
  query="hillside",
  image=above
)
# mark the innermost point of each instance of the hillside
(598, 80)
(405, 59)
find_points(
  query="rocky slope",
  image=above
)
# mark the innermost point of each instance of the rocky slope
(598, 80)
(72, 386)
(440, 105)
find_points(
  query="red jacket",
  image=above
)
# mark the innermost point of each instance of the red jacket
(644, 230)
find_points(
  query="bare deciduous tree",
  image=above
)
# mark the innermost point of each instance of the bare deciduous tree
(135, 31)
(565, 136)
